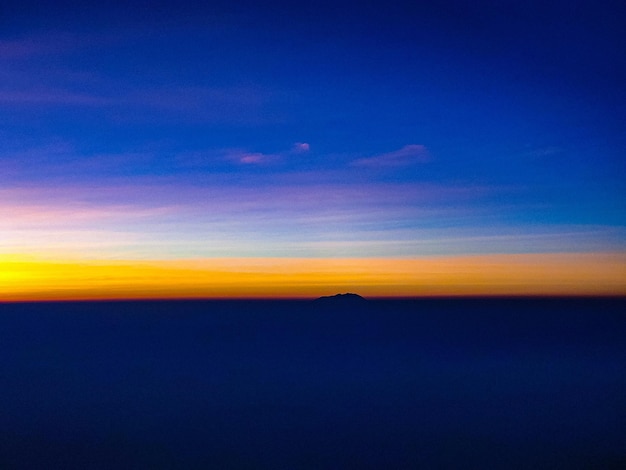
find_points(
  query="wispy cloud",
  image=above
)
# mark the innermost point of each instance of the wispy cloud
(301, 147)
(206, 104)
(251, 158)
(407, 155)
(257, 158)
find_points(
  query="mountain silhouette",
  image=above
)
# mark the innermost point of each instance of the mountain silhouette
(341, 299)
(345, 309)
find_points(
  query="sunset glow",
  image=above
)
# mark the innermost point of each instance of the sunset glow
(557, 274)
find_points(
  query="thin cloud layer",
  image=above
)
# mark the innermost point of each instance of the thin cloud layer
(323, 220)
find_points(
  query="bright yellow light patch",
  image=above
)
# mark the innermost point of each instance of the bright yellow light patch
(521, 274)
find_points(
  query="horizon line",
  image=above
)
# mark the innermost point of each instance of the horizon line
(463, 296)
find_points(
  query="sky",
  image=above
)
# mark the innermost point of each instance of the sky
(169, 149)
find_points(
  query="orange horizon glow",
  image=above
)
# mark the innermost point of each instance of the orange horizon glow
(24, 279)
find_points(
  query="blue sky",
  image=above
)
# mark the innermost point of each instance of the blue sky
(316, 129)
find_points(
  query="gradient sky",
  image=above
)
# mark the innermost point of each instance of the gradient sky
(238, 134)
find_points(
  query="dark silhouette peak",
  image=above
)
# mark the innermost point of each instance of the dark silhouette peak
(342, 298)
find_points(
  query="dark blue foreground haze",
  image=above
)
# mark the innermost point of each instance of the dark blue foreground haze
(498, 383)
